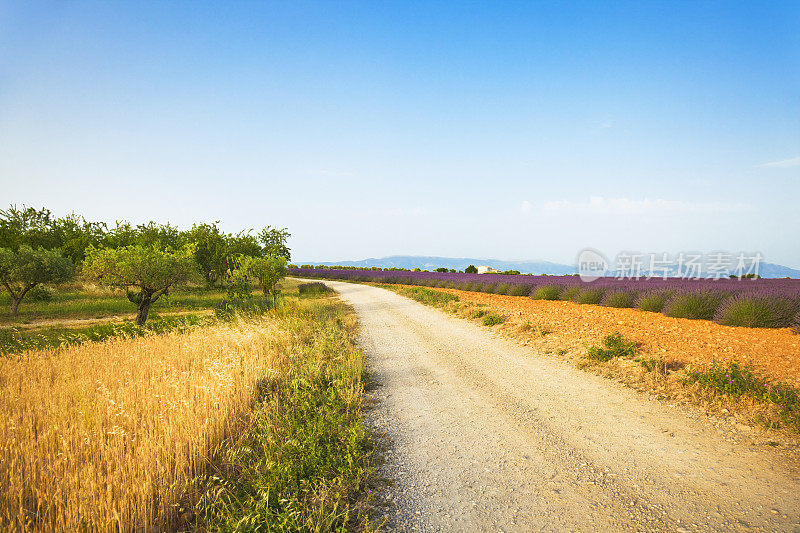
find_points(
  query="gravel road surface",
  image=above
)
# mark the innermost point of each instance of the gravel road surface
(487, 435)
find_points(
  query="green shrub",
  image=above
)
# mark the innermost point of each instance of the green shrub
(313, 290)
(653, 300)
(429, 296)
(614, 345)
(736, 380)
(698, 305)
(731, 379)
(757, 311)
(487, 287)
(40, 293)
(519, 290)
(547, 292)
(480, 313)
(501, 288)
(590, 296)
(570, 294)
(493, 319)
(618, 299)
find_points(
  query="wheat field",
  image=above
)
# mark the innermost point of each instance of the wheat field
(108, 436)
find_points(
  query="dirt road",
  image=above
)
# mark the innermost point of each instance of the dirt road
(487, 435)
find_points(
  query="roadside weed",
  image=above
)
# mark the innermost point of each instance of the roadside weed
(614, 345)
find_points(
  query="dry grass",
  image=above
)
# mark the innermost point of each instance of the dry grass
(108, 436)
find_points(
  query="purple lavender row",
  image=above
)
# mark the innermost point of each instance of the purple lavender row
(773, 303)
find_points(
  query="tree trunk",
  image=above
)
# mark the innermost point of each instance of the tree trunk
(15, 300)
(144, 308)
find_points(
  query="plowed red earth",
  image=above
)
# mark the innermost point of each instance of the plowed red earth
(775, 352)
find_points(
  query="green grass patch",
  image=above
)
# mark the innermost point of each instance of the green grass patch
(428, 296)
(305, 457)
(314, 289)
(493, 319)
(480, 313)
(614, 345)
(81, 304)
(14, 340)
(547, 292)
(736, 380)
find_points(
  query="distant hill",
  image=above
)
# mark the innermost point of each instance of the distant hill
(431, 263)
(771, 270)
(767, 270)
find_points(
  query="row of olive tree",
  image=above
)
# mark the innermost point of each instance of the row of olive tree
(147, 273)
(74, 237)
(145, 260)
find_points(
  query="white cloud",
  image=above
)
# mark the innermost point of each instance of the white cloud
(526, 206)
(597, 205)
(785, 163)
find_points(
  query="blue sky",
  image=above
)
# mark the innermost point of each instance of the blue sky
(514, 130)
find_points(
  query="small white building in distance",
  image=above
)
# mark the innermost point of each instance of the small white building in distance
(483, 269)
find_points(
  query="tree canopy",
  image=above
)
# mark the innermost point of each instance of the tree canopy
(268, 271)
(274, 241)
(24, 268)
(215, 249)
(147, 272)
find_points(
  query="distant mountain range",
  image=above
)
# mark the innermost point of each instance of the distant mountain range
(767, 270)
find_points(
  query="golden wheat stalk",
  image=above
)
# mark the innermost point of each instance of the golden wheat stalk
(107, 436)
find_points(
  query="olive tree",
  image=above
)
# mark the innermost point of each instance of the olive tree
(146, 272)
(26, 268)
(274, 241)
(268, 271)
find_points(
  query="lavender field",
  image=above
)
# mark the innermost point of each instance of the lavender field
(771, 303)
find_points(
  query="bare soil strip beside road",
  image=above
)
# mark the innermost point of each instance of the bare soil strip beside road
(774, 352)
(487, 435)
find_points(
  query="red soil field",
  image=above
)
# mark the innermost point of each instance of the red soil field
(774, 352)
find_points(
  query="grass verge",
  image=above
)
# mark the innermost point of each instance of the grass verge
(427, 296)
(305, 456)
(736, 380)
